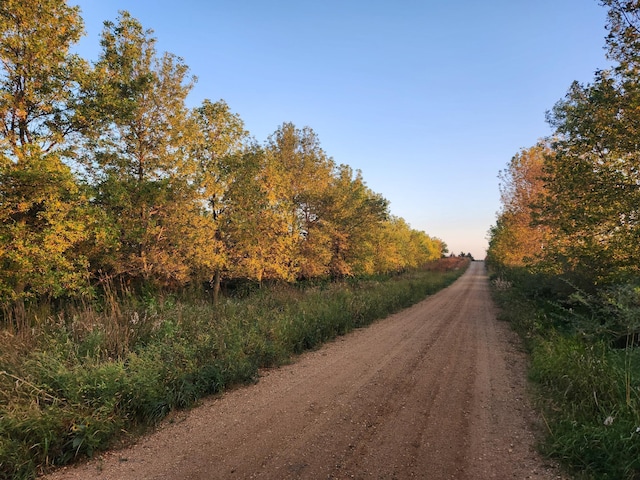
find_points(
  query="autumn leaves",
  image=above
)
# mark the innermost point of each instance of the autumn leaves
(106, 174)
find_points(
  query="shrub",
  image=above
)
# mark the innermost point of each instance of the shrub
(588, 390)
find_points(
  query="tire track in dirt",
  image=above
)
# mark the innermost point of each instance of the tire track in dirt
(436, 391)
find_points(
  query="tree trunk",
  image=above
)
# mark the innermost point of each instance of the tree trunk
(216, 285)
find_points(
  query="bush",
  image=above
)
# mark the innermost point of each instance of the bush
(588, 390)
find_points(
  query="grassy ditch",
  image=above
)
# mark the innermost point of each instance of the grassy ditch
(586, 371)
(81, 379)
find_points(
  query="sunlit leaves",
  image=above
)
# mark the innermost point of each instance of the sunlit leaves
(594, 196)
(106, 174)
(42, 209)
(142, 171)
(516, 240)
(39, 76)
(41, 220)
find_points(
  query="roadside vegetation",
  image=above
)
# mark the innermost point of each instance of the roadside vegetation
(110, 183)
(152, 253)
(564, 258)
(86, 377)
(585, 369)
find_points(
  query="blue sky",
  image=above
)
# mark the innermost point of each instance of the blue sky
(430, 99)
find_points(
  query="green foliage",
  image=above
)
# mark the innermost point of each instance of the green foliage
(611, 314)
(586, 379)
(593, 195)
(593, 181)
(587, 383)
(41, 221)
(585, 212)
(592, 406)
(138, 160)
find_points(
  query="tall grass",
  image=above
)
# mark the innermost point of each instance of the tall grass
(79, 380)
(587, 381)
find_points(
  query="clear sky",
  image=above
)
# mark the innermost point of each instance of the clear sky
(430, 99)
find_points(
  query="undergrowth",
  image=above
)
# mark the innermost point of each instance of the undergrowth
(79, 380)
(585, 367)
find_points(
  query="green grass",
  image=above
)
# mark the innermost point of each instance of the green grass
(80, 379)
(587, 390)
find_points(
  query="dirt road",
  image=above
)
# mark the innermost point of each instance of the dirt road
(434, 392)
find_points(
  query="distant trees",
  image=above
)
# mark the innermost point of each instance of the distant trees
(515, 241)
(105, 174)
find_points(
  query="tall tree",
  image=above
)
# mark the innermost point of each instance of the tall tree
(395, 249)
(298, 174)
(258, 246)
(41, 205)
(39, 77)
(218, 151)
(277, 198)
(595, 193)
(140, 160)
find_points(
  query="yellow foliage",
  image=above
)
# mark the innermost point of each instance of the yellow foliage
(516, 240)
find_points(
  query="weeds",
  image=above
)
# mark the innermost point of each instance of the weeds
(588, 381)
(79, 379)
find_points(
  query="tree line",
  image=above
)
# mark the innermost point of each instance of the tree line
(571, 203)
(565, 259)
(107, 175)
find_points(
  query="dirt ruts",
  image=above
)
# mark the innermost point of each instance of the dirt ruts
(436, 391)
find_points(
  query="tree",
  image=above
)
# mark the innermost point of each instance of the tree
(40, 78)
(355, 216)
(592, 202)
(515, 241)
(257, 239)
(298, 174)
(397, 248)
(278, 198)
(586, 216)
(220, 145)
(623, 40)
(140, 164)
(393, 246)
(42, 208)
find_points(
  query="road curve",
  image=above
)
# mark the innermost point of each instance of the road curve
(436, 391)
